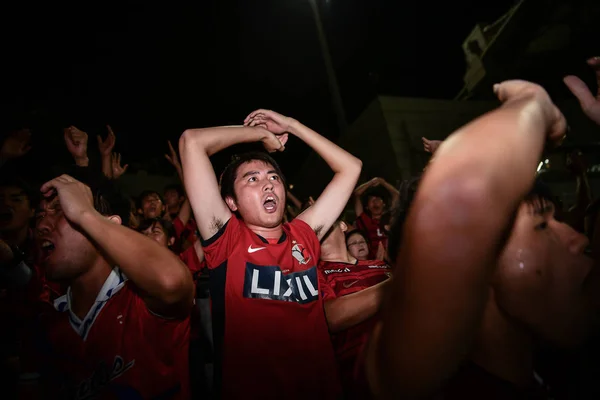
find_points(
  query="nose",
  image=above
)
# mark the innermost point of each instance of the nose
(268, 186)
(576, 242)
(44, 225)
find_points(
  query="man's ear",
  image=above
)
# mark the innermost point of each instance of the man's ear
(115, 219)
(231, 203)
(171, 242)
(343, 226)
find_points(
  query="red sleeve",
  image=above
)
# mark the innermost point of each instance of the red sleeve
(218, 247)
(325, 287)
(190, 258)
(179, 227)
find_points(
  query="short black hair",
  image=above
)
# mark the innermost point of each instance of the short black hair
(176, 187)
(229, 175)
(17, 182)
(108, 198)
(377, 191)
(167, 226)
(541, 191)
(361, 233)
(147, 193)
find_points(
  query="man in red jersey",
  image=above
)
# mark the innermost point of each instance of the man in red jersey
(122, 329)
(271, 336)
(352, 291)
(369, 206)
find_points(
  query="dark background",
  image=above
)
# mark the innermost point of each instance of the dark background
(153, 70)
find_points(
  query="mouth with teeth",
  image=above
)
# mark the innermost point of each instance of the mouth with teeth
(270, 203)
(47, 249)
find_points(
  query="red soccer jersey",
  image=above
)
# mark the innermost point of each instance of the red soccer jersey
(342, 279)
(371, 227)
(270, 332)
(119, 350)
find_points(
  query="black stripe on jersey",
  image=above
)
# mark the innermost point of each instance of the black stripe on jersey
(217, 281)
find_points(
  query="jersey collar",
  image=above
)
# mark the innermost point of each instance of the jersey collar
(114, 282)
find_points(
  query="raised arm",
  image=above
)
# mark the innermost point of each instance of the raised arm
(590, 104)
(464, 206)
(106, 147)
(202, 188)
(164, 280)
(359, 191)
(76, 141)
(331, 202)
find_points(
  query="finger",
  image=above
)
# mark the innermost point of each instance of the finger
(99, 138)
(580, 90)
(283, 139)
(110, 131)
(594, 62)
(171, 147)
(125, 167)
(168, 158)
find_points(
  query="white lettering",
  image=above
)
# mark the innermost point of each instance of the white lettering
(277, 283)
(288, 292)
(255, 289)
(300, 288)
(310, 286)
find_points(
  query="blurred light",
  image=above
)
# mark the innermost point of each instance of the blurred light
(540, 166)
(291, 187)
(547, 161)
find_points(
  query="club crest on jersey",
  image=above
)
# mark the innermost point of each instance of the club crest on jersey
(299, 253)
(269, 283)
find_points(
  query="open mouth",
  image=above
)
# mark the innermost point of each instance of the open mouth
(47, 248)
(6, 216)
(270, 204)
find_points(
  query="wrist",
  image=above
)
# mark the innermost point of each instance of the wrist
(87, 219)
(294, 127)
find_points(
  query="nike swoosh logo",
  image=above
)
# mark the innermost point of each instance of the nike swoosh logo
(251, 250)
(347, 285)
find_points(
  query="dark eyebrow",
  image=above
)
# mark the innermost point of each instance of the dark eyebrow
(249, 173)
(272, 172)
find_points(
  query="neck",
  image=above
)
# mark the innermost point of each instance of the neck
(17, 237)
(335, 251)
(85, 288)
(376, 215)
(267, 233)
(503, 348)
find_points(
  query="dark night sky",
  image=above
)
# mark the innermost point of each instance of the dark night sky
(152, 71)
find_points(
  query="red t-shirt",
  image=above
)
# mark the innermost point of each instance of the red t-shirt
(270, 332)
(119, 350)
(376, 235)
(342, 279)
(185, 232)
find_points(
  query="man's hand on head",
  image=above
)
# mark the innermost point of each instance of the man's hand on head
(75, 198)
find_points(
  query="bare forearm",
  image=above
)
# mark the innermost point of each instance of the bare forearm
(106, 166)
(346, 311)
(338, 159)
(213, 140)
(185, 212)
(152, 268)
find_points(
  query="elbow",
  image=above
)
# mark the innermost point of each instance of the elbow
(335, 320)
(177, 287)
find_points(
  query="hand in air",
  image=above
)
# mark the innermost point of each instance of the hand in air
(117, 169)
(75, 198)
(106, 146)
(76, 141)
(517, 89)
(172, 157)
(430, 146)
(589, 104)
(277, 124)
(16, 145)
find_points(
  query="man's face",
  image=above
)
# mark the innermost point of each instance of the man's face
(15, 209)
(375, 205)
(65, 253)
(541, 276)
(172, 199)
(260, 194)
(357, 246)
(158, 234)
(152, 206)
